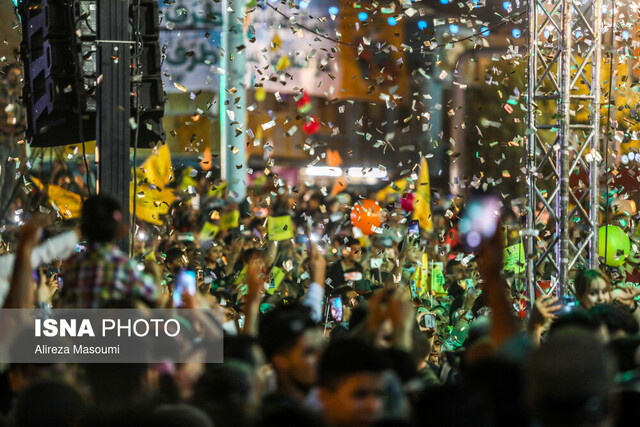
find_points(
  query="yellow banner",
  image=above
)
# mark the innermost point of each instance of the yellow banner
(280, 228)
(422, 202)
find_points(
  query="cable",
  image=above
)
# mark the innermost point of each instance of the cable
(606, 149)
(136, 58)
(304, 27)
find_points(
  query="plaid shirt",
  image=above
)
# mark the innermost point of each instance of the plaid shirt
(102, 274)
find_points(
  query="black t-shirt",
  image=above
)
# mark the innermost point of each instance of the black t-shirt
(339, 276)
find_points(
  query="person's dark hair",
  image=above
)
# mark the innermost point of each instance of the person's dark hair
(101, 218)
(223, 393)
(349, 241)
(570, 380)
(173, 254)
(178, 416)
(241, 347)
(282, 327)
(344, 358)
(294, 416)
(318, 197)
(49, 403)
(358, 315)
(585, 278)
(451, 264)
(115, 384)
(625, 349)
(576, 319)
(229, 383)
(616, 318)
(450, 405)
(248, 254)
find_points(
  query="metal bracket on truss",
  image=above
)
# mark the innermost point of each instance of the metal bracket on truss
(565, 42)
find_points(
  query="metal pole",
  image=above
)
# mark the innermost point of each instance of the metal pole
(531, 150)
(562, 255)
(233, 100)
(114, 104)
(594, 178)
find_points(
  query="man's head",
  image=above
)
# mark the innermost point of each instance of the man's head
(570, 380)
(175, 260)
(212, 251)
(351, 383)
(292, 345)
(315, 201)
(102, 219)
(352, 251)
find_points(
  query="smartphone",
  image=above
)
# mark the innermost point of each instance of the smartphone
(200, 275)
(480, 221)
(414, 227)
(81, 248)
(376, 262)
(566, 306)
(185, 282)
(336, 309)
(428, 321)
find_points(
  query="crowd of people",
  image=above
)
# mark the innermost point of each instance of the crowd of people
(327, 327)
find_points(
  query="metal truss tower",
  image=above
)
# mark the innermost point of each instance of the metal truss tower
(565, 42)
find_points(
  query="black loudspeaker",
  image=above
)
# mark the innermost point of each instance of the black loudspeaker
(51, 74)
(148, 93)
(59, 53)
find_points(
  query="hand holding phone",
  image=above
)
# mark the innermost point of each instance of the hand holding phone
(185, 282)
(427, 321)
(336, 309)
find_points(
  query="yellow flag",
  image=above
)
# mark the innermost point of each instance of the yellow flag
(422, 203)
(283, 63)
(153, 202)
(68, 202)
(280, 228)
(157, 168)
(230, 220)
(421, 276)
(395, 187)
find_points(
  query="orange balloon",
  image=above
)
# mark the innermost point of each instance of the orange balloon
(366, 215)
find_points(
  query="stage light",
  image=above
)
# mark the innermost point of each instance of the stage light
(516, 33)
(484, 31)
(358, 172)
(507, 6)
(422, 25)
(626, 35)
(363, 16)
(444, 1)
(333, 11)
(453, 28)
(323, 171)
(392, 21)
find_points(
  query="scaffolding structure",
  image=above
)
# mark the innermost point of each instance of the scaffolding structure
(565, 45)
